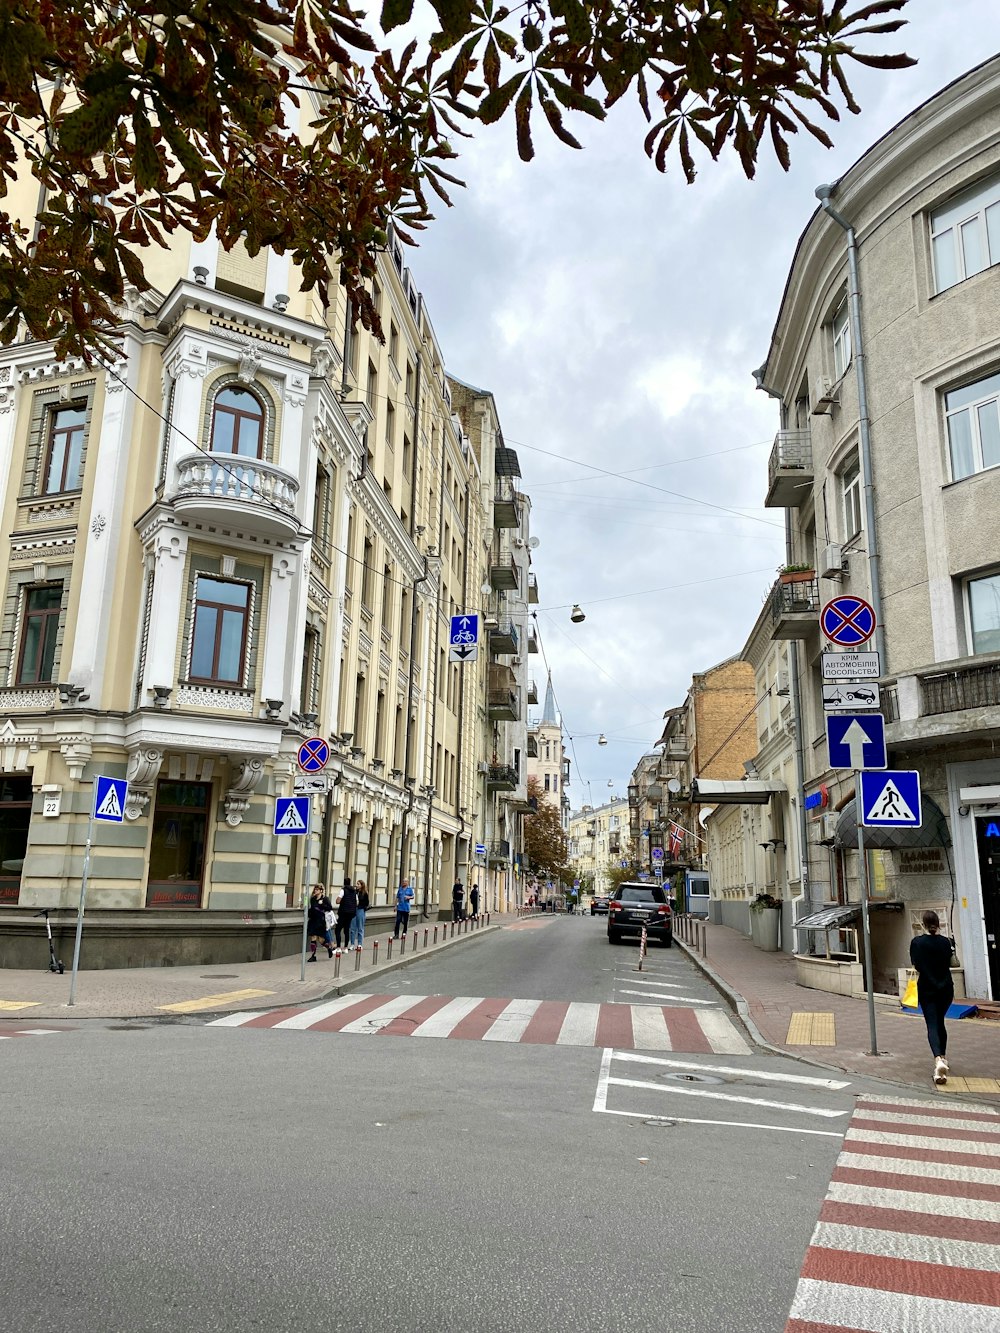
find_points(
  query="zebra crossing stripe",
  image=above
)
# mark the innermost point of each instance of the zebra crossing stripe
(909, 1233)
(514, 1021)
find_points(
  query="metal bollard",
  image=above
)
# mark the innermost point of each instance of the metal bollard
(357, 959)
(374, 953)
(388, 948)
(336, 964)
(435, 934)
(416, 940)
(425, 936)
(402, 944)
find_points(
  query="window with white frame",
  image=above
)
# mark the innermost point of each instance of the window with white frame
(983, 600)
(850, 489)
(841, 328)
(973, 427)
(965, 235)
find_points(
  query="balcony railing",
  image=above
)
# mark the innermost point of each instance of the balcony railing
(503, 573)
(795, 608)
(247, 492)
(501, 777)
(532, 588)
(532, 639)
(676, 748)
(789, 470)
(499, 852)
(968, 687)
(503, 637)
(532, 692)
(503, 703)
(506, 510)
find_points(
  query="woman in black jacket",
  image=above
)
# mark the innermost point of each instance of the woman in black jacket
(319, 905)
(931, 954)
(346, 910)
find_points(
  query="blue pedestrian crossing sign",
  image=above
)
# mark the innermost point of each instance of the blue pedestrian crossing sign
(891, 799)
(856, 740)
(109, 799)
(463, 641)
(291, 815)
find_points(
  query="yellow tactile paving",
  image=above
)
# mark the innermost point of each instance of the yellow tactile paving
(212, 1001)
(19, 1004)
(809, 1029)
(954, 1084)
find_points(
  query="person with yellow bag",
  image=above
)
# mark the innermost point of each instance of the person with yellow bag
(931, 954)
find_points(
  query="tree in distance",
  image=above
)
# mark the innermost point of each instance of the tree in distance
(137, 119)
(545, 844)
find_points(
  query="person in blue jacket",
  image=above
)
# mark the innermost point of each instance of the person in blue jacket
(404, 897)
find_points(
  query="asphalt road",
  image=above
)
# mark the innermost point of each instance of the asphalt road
(187, 1177)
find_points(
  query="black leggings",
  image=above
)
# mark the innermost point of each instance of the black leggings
(934, 1005)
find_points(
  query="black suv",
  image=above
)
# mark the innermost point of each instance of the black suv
(633, 906)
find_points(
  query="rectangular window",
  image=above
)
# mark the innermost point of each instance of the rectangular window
(221, 620)
(984, 613)
(394, 343)
(973, 427)
(965, 235)
(64, 461)
(548, 782)
(371, 390)
(390, 425)
(39, 631)
(841, 340)
(368, 575)
(850, 482)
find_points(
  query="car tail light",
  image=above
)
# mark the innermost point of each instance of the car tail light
(663, 910)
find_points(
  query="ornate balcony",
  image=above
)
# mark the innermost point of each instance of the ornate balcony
(501, 777)
(243, 493)
(789, 470)
(795, 607)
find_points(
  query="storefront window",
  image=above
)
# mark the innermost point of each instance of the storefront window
(15, 820)
(177, 851)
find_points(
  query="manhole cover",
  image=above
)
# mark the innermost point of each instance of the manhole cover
(660, 1124)
(219, 976)
(691, 1078)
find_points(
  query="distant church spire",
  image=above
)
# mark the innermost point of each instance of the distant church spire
(549, 715)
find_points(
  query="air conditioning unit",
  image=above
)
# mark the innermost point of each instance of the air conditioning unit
(519, 543)
(483, 766)
(515, 661)
(831, 566)
(782, 685)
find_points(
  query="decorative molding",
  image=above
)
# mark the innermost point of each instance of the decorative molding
(97, 525)
(251, 360)
(54, 552)
(73, 365)
(295, 389)
(325, 359)
(142, 773)
(76, 750)
(30, 700)
(115, 377)
(231, 329)
(318, 592)
(212, 696)
(62, 513)
(16, 745)
(245, 780)
(191, 359)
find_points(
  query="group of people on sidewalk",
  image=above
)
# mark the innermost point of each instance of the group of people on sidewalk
(458, 901)
(342, 924)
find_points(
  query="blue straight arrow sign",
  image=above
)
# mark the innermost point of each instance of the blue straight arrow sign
(856, 740)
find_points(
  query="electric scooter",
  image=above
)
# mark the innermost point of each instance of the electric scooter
(55, 965)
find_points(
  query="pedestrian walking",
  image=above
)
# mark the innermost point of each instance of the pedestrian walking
(347, 910)
(474, 900)
(457, 900)
(358, 924)
(931, 954)
(320, 921)
(404, 897)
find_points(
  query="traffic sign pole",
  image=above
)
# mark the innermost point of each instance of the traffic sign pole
(83, 899)
(307, 852)
(865, 918)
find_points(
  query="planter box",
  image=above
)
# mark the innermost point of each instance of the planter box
(840, 977)
(764, 928)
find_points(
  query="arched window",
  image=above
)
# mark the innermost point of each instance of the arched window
(237, 424)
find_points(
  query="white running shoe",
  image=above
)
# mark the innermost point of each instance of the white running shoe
(940, 1070)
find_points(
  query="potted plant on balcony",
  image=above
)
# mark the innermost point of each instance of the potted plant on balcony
(765, 920)
(796, 573)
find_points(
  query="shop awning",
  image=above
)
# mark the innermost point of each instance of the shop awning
(933, 831)
(829, 918)
(746, 791)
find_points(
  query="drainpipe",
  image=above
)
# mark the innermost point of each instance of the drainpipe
(824, 193)
(433, 774)
(410, 781)
(793, 672)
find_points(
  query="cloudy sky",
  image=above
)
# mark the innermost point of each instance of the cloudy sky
(617, 315)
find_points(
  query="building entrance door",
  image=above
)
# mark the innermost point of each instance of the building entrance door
(177, 850)
(15, 820)
(988, 848)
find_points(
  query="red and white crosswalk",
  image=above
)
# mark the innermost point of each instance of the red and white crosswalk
(647, 1027)
(908, 1238)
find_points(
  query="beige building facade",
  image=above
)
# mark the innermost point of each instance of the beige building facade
(887, 465)
(598, 840)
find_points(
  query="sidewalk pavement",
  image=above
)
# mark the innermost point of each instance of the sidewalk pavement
(763, 989)
(169, 992)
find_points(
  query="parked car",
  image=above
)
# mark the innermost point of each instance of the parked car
(598, 905)
(633, 906)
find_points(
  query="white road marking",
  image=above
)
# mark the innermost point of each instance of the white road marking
(382, 1016)
(891, 1118)
(911, 1141)
(664, 985)
(661, 998)
(236, 1020)
(906, 1201)
(772, 1076)
(579, 1027)
(649, 1028)
(926, 1168)
(511, 1024)
(863, 1307)
(722, 1033)
(968, 1254)
(601, 1096)
(728, 1124)
(320, 1011)
(447, 1017)
(725, 1097)
(39, 1032)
